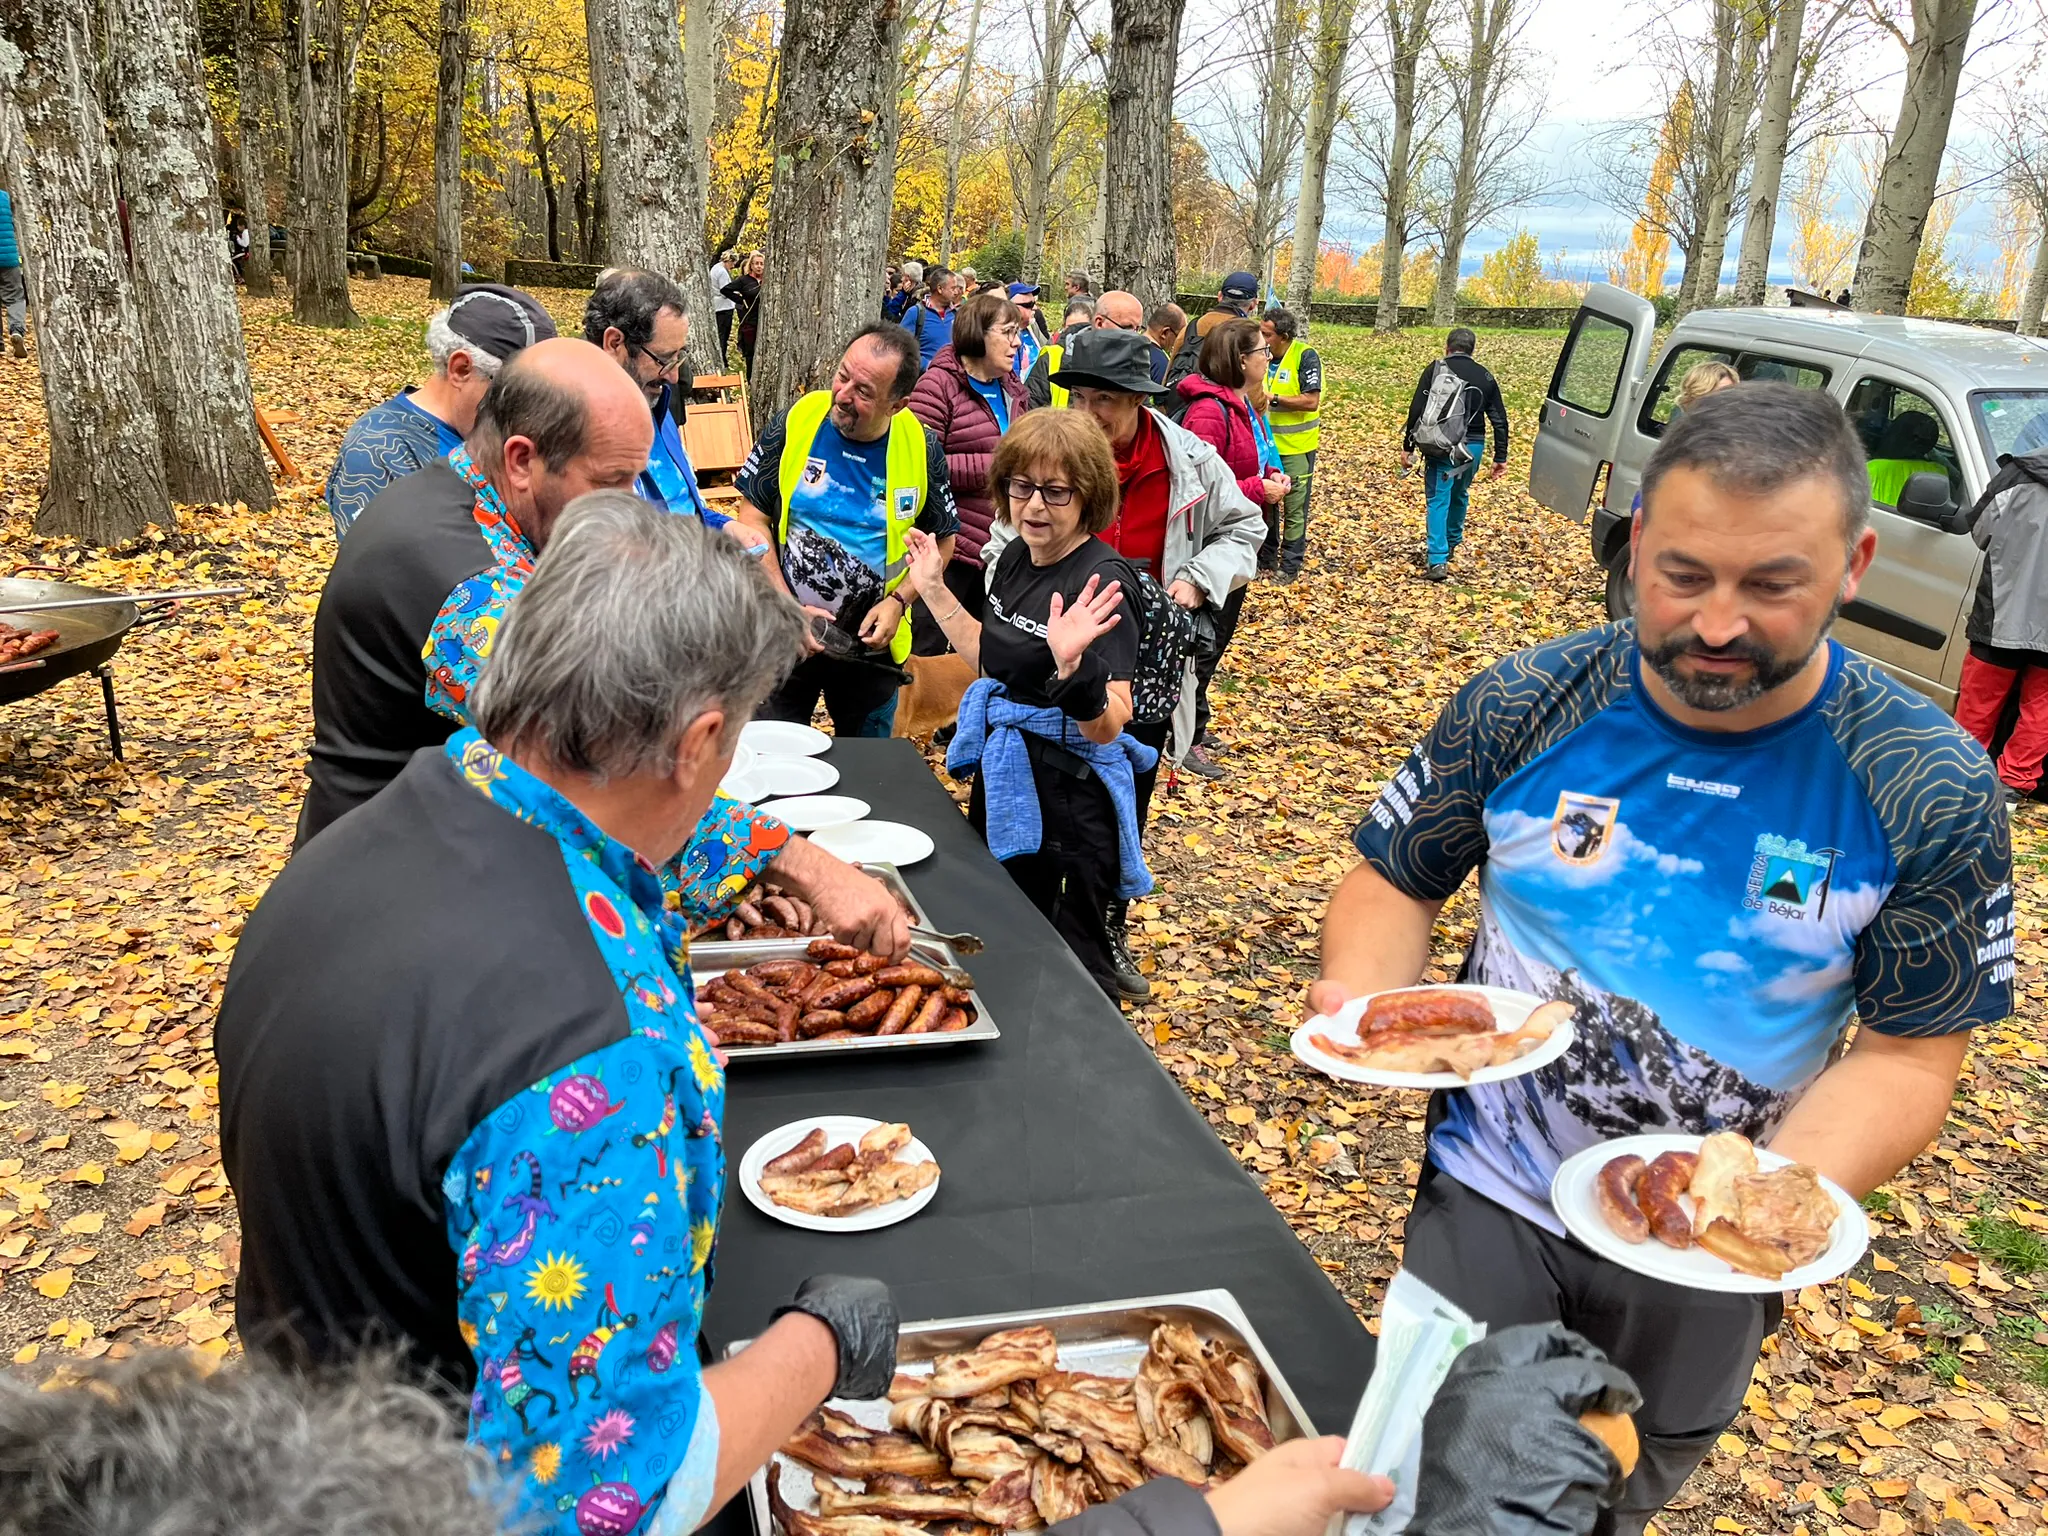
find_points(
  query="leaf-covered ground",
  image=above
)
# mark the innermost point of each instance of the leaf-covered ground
(1908, 1397)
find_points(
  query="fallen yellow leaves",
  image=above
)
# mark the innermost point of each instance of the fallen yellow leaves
(53, 1283)
(143, 1220)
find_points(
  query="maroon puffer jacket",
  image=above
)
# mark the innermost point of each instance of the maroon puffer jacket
(946, 403)
(1220, 418)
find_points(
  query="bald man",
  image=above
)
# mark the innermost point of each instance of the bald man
(1116, 310)
(423, 579)
(1119, 311)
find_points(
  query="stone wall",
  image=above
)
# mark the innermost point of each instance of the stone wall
(550, 274)
(1479, 316)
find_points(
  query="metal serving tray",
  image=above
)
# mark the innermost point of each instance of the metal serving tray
(711, 953)
(737, 957)
(1107, 1338)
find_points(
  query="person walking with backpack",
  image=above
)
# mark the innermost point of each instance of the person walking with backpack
(1455, 399)
(930, 320)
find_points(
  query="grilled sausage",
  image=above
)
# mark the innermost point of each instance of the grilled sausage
(841, 1156)
(842, 968)
(745, 985)
(957, 995)
(901, 1011)
(867, 965)
(871, 1009)
(820, 1021)
(831, 949)
(785, 1021)
(798, 1157)
(745, 1032)
(1430, 1011)
(1615, 1188)
(1726, 1241)
(908, 975)
(846, 993)
(783, 911)
(779, 973)
(955, 1019)
(929, 1015)
(1657, 1193)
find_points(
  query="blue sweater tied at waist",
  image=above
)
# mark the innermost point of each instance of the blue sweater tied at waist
(990, 741)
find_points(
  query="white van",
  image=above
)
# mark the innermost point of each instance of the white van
(1935, 403)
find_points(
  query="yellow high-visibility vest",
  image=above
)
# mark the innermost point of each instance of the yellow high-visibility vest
(1053, 352)
(1293, 431)
(907, 473)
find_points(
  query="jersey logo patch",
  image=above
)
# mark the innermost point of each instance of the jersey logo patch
(814, 472)
(1580, 828)
(1787, 879)
(906, 502)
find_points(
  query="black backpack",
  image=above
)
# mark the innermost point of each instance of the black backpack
(1167, 637)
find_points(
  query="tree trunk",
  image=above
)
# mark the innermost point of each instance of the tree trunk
(451, 87)
(106, 463)
(316, 254)
(252, 164)
(647, 159)
(1767, 172)
(1326, 83)
(835, 172)
(546, 172)
(956, 136)
(2035, 299)
(1277, 132)
(1138, 235)
(701, 33)
(1045, 122)
(1912, 164)
(184, 282)
(1405, 40)
(1476, 84)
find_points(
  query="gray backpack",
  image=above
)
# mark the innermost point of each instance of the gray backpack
(1441, 429)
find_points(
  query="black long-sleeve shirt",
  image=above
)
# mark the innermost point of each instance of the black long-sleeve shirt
(1488, 404)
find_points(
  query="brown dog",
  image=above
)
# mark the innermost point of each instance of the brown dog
(932, 697)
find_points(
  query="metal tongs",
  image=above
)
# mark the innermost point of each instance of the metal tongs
(960, 943)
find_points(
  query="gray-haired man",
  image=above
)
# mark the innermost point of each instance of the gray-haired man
(455, 1047)
(469, 341)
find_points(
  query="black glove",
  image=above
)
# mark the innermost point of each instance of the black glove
(862, 1316)
(1503, 1452)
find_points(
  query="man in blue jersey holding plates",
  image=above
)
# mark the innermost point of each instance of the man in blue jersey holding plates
(1725, 841)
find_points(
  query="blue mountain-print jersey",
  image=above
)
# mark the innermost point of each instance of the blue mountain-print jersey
(582, 1216)
(387, 442)
(1720, 907)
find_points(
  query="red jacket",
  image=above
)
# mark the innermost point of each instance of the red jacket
(967, 431)
(1220, 418)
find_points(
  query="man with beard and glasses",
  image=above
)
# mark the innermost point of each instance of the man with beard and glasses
(1725, 840)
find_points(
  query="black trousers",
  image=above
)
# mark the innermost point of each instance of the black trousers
(861, 700)
(1073, 876)
(963, 580)
(1153, 734)
(1689, 1351)
(724, 318)
(1226, 628)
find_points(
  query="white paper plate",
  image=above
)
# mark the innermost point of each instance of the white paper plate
(783, 738)
(1512, 1009)
(1577, 1202)
(875, 842)
(837, 1128)
(741, 772)
(748, 785)
(795, 775)
(808, 813)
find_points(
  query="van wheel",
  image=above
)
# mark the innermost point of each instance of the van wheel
(1621, 592)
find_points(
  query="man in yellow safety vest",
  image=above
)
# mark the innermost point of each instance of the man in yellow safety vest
(1294, 398)
(838, 482)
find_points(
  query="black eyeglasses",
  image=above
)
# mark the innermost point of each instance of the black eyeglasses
(664, 362)
(1020, 491)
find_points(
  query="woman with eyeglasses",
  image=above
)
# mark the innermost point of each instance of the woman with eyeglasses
(968, 398)
(1231, 363)
(1042, 733)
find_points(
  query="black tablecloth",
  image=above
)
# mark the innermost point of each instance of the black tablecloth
(1074, 1168)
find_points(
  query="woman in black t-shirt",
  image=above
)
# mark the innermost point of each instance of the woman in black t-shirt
(1062, 640)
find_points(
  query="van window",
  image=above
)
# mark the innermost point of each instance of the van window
(2012, 421)
(1903, 435)
(1596, 355)
(1661, 402)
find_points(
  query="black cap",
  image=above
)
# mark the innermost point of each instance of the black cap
(501, 320)
(1240, 287)
(1109, 359)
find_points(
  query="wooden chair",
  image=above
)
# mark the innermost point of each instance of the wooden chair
(718, 435)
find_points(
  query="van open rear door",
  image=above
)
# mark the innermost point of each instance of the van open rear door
(1590, 393)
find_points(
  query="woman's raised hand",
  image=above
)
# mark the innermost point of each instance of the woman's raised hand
(927, 570)
(1070, 631)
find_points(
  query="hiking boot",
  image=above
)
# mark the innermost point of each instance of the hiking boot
(1209, 741)
(1286, 578)
(1202, 766)
(942, 738)
(18, 346)
(1437, 573)
(2011, 798)
(1130, 981)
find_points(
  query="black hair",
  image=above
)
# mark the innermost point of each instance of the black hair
(1284, 322)
(891, 337)
(1755, 439)
(1461, 340)
(629, 300)
(523, 402)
